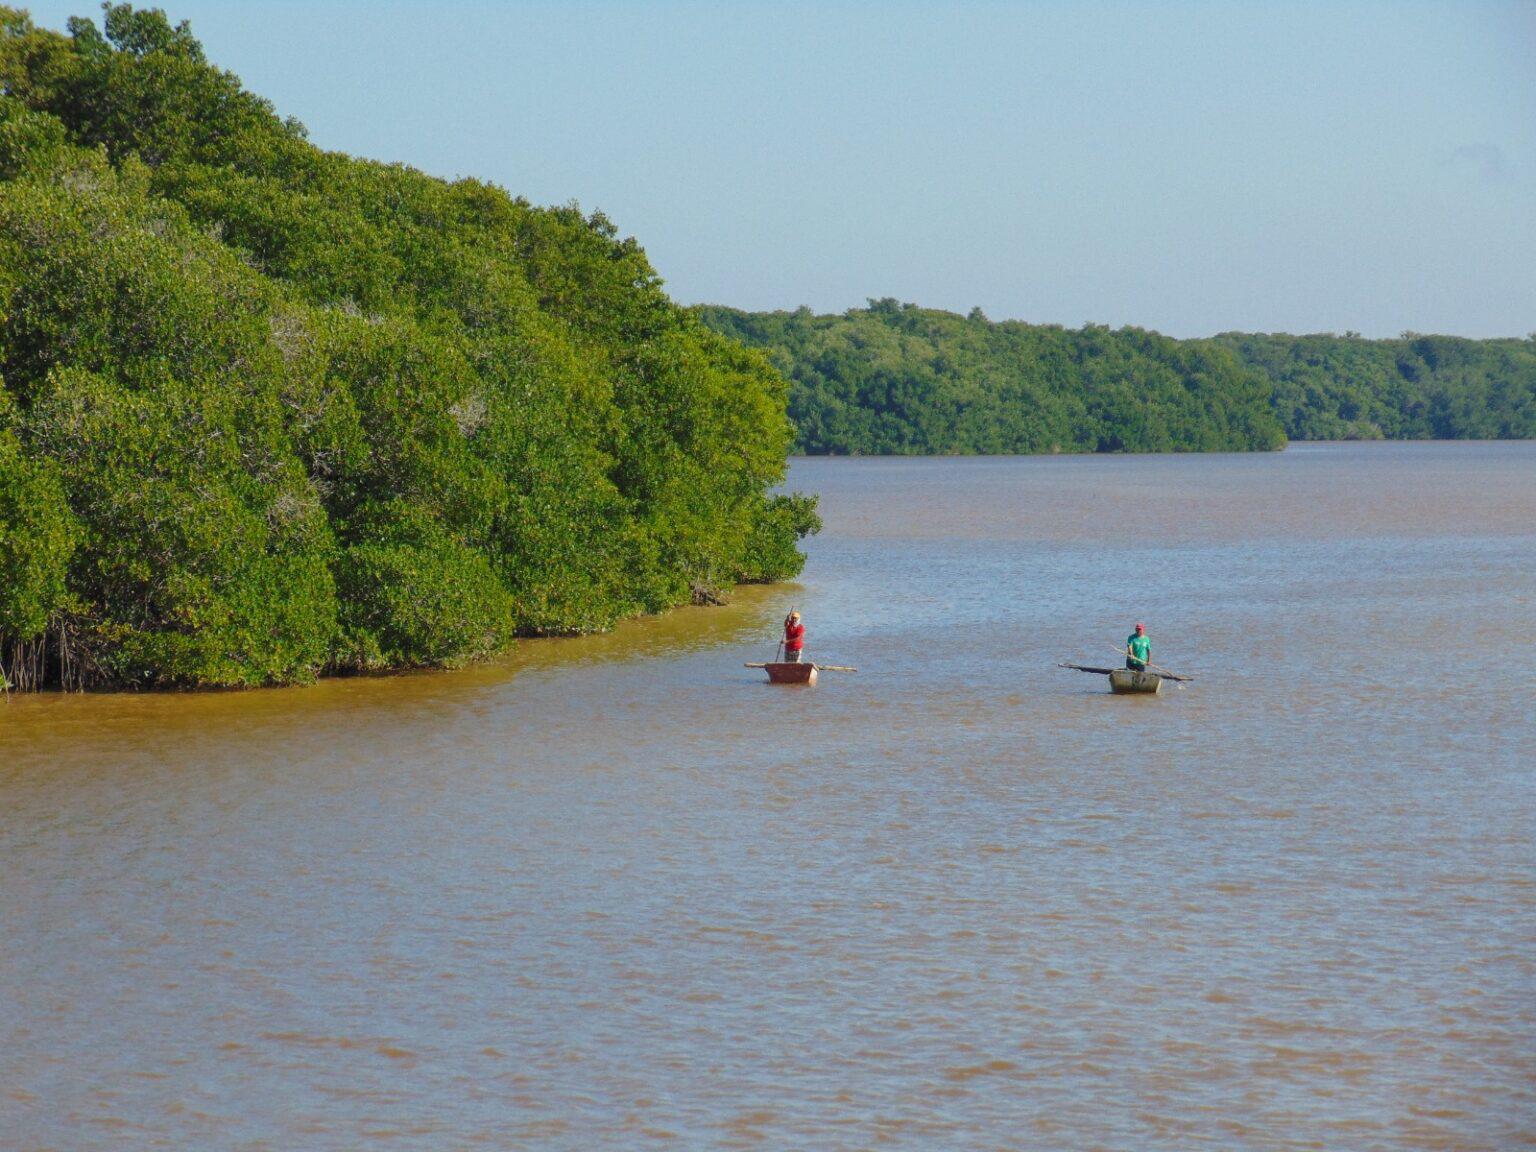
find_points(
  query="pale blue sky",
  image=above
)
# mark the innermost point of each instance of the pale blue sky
(1187, 167)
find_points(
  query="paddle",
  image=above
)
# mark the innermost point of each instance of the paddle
(1163, 672)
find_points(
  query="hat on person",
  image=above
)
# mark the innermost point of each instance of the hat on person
(1141, 627)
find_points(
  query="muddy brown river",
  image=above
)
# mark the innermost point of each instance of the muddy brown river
(618, 893)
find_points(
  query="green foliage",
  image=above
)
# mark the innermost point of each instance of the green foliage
(895, 378)
(898, 379)
(771, 553)
(1413, 388)
(413, 594)
(38, 535)
(271, 412)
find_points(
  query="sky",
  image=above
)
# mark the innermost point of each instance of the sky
(1187, 167)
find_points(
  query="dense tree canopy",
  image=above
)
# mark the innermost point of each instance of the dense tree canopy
(268, 411)
(896, 378)
(1413, 388)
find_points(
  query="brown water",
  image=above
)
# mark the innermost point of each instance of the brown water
(619, 894)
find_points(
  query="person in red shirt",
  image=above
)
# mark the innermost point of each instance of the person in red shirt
(794, 637)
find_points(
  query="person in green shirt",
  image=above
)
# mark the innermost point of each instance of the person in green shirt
(1138, 649)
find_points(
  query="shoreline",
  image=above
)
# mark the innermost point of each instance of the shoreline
(632, 635)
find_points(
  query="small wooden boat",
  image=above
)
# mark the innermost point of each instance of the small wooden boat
(799, 672)
(1126, 680)
(784, 672)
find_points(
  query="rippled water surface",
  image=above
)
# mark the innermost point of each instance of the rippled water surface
(617, 893)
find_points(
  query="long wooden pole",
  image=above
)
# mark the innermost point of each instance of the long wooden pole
(818, 667)
(1163, 672)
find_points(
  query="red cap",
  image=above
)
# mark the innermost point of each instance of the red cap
(1141, 627)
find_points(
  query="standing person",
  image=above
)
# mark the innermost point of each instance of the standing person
(1138, 649)
(794, 637)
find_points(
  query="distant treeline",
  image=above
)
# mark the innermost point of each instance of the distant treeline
(1412, 388)
(896, 378)
(268, 412)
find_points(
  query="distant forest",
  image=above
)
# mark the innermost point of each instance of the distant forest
(1413, 388)
(894, 378)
